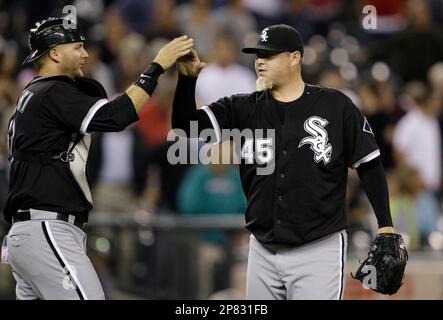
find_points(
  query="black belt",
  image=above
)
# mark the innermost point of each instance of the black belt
(26, 215)
(43, 158)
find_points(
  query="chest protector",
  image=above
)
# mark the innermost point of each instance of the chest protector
(76, 154)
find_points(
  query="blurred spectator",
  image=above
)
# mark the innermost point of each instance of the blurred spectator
(96, 69)
(332, 78)
(296, 16)
(156, 180)
(212, 189)
(196, 20)
(402, 193)
(6, 110)
(415, 211)
(400, 50)
(131, 57)
(90, 11)
(112, 191)
(8, 64)
(223, 76)
(266, 12)
(238, 22)
(113, 152)
(136, 13)
(435, 78)
(164, 22)
(359, 210)
(323, 12)
(115, 31)
(417, 138)
(8, 97)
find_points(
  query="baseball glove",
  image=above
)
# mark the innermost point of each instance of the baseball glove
(387, 258)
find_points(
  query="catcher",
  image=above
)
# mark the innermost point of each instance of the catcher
(49, 138)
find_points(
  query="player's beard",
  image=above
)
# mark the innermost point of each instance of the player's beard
(262, 84)
(72, 71)
(77, 71)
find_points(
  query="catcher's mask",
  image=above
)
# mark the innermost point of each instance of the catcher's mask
(51, 32)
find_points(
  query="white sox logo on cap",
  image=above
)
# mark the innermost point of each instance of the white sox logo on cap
(264, 35)
(318, 139)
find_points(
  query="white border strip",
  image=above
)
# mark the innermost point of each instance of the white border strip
(65, 261)
(213, 121)
(341, 262)
(374, 154)
(91, 113)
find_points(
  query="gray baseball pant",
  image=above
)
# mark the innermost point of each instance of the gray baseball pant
(311, 271)
(49, 261)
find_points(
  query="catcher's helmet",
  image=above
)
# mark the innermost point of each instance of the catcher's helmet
(49, 33)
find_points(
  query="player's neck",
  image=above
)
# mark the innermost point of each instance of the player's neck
(290, 90)
(50, 71)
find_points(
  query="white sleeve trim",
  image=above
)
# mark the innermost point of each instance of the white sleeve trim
(374, 154)
(91, 113)
(214, 122)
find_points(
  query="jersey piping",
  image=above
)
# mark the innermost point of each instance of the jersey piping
(374, 154)
(85, 123)
(214, 122)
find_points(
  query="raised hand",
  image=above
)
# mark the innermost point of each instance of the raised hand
(173, 50)
(190, 64)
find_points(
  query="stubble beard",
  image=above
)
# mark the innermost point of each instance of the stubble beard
(78, 72)
(73, 72)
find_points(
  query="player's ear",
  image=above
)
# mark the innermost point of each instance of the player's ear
(54, 54)
(295, 58)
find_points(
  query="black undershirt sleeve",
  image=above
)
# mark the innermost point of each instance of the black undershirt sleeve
(184, 108)
(374, 183)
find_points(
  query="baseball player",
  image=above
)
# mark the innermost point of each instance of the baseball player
(49, 197)
(296, 214)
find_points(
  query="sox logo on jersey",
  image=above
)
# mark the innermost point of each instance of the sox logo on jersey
(318, 139)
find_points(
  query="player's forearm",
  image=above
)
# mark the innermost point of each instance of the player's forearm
(184, 108)
(374, 183)
(138, 96)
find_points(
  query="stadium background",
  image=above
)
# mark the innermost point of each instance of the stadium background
(175, 232)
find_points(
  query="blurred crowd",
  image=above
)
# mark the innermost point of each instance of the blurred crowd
(393, 73)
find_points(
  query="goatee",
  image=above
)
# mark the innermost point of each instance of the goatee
(263, 84)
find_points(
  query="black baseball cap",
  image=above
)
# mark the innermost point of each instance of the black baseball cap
(279, 38)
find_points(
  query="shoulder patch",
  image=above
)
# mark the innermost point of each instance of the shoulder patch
(366, 127)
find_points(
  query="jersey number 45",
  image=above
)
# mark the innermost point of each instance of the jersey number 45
(263, 151)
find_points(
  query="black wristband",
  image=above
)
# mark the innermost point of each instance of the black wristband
(154, 71)
(148, 79)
